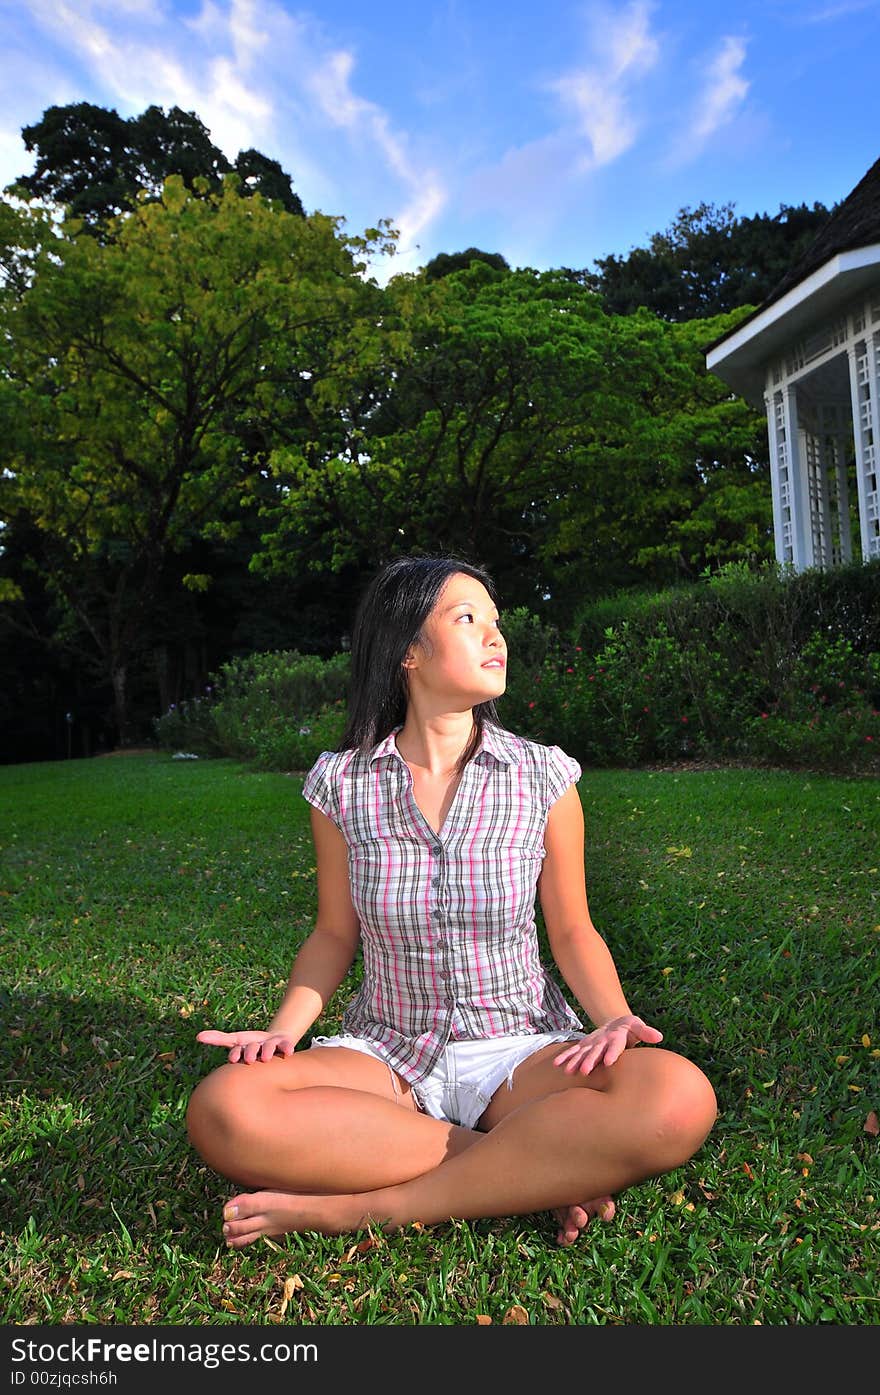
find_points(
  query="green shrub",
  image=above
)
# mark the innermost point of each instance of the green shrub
(284, 743)
(846, 740)
(744, 664)
(750, 664)
(189, 726)
(258, 709)
(533, 650)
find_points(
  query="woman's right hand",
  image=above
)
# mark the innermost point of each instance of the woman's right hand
(250, 1046)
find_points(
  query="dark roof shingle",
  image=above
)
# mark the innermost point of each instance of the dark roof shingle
(854, 223)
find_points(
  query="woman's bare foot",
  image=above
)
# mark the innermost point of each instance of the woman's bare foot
(573, 1219)
(251, 1214)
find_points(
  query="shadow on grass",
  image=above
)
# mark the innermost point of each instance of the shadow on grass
(94, 1134)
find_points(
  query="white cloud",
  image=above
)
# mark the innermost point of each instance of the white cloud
(723, 93)
(839, 11)
(719, 103)
(600, 94)
(601, 101)
(367, 123)
(256, 75)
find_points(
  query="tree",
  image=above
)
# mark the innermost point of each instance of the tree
(673, 474)
(446, 262)
(95, 163)
(144, 379)
(512, 419)
(707, 262)
(446, 427)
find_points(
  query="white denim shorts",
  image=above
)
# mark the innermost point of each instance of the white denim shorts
(462, 1083)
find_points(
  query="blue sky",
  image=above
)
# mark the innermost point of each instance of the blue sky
(554, 134)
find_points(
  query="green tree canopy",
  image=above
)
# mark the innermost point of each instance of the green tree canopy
(446, 262)
(707, 262)
(144, 379)
(95, 163)
(508, 416)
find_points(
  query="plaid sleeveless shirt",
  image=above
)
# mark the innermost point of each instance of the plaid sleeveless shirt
(450, 947)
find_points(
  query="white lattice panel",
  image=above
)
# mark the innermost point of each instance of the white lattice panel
(783, 476)
(867, 366)
(818, 497)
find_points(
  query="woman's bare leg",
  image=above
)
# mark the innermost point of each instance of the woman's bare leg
(294, 1121)
(592, 1136)
(258, 1130)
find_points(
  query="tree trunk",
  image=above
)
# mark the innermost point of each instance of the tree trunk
(163, 681)
(120, 705)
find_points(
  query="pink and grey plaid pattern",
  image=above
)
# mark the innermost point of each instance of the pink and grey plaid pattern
(450, 949)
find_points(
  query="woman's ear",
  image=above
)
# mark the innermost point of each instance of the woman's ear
(411, 659)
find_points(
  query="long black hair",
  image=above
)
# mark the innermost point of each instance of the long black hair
(389, 620)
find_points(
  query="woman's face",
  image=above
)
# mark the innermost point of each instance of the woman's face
(463, 659)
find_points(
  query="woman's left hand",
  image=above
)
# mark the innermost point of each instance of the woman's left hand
(604, 1046)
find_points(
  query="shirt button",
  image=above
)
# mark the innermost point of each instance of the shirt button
(445, 975)
(438, 914)
(435, 881)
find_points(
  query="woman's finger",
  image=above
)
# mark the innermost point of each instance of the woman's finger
(646, 1033)
(211, 1037)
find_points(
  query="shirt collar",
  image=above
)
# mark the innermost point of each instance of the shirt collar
(496, 742)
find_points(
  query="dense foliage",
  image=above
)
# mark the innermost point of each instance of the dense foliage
(96, 164)
(766, 668)
(708, 261)
(217, 424)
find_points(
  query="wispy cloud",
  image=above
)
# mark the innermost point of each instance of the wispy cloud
(841, 10)
(257, 75)
(331, 87)
(601, 106)
(135, 50)
(600, 93)
(722, 92)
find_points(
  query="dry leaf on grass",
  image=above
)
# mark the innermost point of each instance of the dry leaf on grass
(290, 1287)
(362, 1248)
(872, 1125)
(516, 1315)
(484, 1320)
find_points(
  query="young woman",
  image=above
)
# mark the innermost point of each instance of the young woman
(463, 1085)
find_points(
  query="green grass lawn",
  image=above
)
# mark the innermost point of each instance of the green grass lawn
(143, 899)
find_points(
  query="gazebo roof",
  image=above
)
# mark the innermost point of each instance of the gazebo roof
(854, 223)
(842, 259)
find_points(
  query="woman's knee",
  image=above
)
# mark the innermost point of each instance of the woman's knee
(683, 1107)
(214, 1104)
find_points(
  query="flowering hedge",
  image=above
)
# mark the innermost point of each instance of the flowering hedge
(763, 667)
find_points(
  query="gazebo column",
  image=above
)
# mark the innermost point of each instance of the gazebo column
(791, 501)
(813, 454)
(864, 377)
(834, 446)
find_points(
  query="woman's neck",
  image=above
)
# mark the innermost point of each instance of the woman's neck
(435, 745)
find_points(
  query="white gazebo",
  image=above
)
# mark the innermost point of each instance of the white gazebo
(810, 354)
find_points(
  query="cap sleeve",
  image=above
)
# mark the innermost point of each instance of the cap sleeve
(562, 771)
(318, 787)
